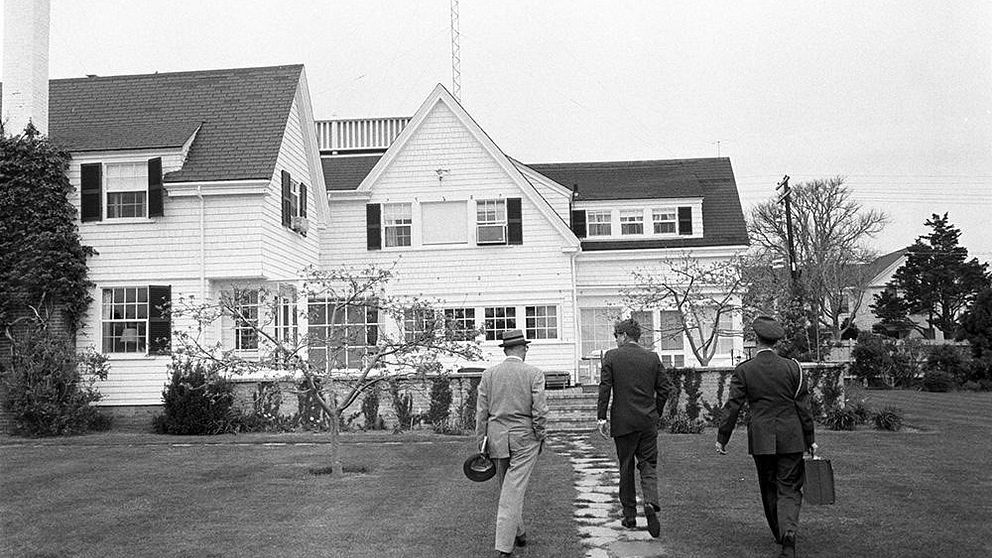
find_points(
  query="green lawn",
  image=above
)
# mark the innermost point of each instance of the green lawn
(135, 495)
(923, 493)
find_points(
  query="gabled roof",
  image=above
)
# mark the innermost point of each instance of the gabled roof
(242, 114)
(881, 264)
(346, 173)
(711, 179)
(440, 95)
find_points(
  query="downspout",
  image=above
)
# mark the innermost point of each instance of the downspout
(576, 330)
(203, 245)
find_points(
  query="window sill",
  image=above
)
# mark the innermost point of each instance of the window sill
(123, 221)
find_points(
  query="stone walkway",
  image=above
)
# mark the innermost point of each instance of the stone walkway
(597, 509)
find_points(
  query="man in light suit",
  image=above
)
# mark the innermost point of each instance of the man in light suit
(512, 412)
(640, 386)
(781, 427)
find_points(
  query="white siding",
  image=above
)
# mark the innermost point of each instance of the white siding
(536, 272)
(285, 253)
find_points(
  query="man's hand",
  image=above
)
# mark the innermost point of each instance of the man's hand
(721, 449)
(811, 450)
(604, 428)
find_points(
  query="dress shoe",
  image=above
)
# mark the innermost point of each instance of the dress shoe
(654, 527)
(504, 554)
(629, 523)
(520, 540)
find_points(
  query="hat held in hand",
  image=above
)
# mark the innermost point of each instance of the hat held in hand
(768, 328)
(479, 468)
(513, 337)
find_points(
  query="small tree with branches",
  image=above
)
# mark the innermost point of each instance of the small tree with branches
(703, 293)
(341, 357)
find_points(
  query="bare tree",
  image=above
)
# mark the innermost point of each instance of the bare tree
(830, 232)
(701, 292)
(358, 335)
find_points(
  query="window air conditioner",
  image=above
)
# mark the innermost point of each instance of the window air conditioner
(300, 224)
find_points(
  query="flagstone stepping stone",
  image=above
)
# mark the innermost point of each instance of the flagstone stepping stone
(597, 553)
(594, 497)
(595, 531)
(592, 512)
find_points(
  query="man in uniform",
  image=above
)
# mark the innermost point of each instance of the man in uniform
(781, 428)
(512, 412)
(640, 386)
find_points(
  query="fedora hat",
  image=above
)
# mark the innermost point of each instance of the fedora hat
(512, 338)
(768, 328)
(479, 468)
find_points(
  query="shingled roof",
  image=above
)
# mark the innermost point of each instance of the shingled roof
(711, 179)
(241, 114)
(347, 173)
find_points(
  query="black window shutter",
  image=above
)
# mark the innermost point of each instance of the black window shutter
(579, 222)
(155, 187)
(159, 320)
(685, 220)
(514, 222)
(91, 192)
(373, 220)
(287, 194)
(303, 200)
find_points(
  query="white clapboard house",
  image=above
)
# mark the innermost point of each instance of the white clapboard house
(191, 182)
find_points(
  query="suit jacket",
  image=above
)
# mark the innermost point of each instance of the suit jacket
(778, 396)
(511, 408)
(639, 385)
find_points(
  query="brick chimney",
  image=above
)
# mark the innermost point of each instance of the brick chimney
(25, 65)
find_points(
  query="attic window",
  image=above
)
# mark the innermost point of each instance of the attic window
(491, 222)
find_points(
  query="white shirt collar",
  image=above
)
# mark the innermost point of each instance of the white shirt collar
(765, 349)
(514, 357)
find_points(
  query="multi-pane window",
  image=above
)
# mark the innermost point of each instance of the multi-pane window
(348, 330)
(725, 331)
(125, 319)
(541, 322)
(246, 320)
(665, 220)
(499, 319)
(418, 323)
(461, 322)
(676, 361)
(646, 320)
(127, 190)
(490, 221)
(670, 332)
(598, 223)
(597, 330)
(397, 224)
(631, 221)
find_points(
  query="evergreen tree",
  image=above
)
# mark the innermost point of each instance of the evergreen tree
(938, 280)
(976, 325)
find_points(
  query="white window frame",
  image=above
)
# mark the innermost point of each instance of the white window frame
(461, 322)
(665, 216)
(417, 322)
(631, 218)
(541, 321)
(497, 319)
(131, 313)
(490, 215)
(353, 354)
(597, 221)
(397, 225)
(134, 184)
(247, 307)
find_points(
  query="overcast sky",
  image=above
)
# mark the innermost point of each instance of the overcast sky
(896, 96)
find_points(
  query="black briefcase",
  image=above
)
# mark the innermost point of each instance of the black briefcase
(818, 487)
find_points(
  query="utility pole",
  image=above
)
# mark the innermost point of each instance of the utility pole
(786, 199)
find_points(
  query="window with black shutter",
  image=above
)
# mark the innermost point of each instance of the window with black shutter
(91, 192)
(373, 224)
(579, 222)
(685, 220)
(159, 320)
(514, 222)
(287, 199)
(155, 187)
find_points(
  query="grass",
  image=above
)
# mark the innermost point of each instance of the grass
(137, 495)
(923, 492)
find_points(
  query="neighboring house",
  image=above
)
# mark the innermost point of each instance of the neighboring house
(186, 183)
(544, 248)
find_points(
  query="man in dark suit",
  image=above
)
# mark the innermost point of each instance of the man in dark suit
(512, 414)
(781, 428)
(640, 386)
